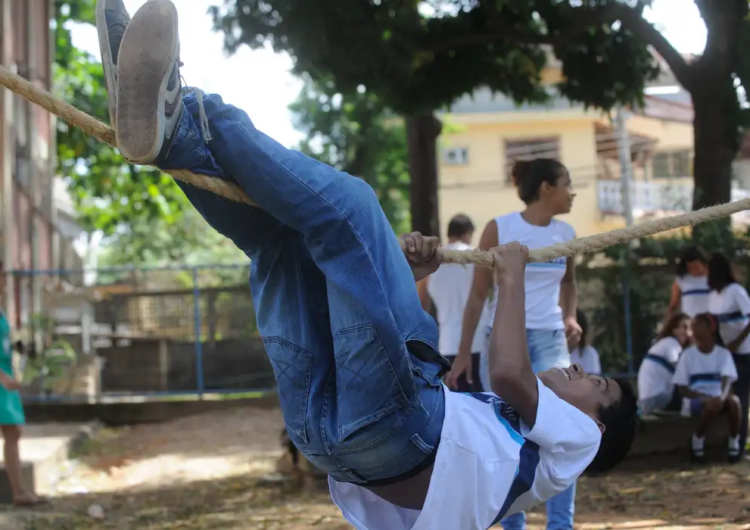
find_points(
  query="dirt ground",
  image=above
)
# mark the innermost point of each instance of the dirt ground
(210, 472)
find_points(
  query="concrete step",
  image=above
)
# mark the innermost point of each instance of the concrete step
(44, 448)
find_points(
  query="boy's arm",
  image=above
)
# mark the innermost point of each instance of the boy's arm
(569, 303)
(511, 376)
(422, 252)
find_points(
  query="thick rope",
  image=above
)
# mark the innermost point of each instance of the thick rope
(233, 192)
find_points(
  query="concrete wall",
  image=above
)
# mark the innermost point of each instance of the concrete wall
(152, 365)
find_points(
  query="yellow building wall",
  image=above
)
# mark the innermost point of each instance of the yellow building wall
(479, 189)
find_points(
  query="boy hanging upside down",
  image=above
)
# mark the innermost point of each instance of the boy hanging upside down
(354, 355)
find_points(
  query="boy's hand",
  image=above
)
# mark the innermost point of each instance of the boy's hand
(572, 331)
(422, 252)
(10, 384)
(510, 262)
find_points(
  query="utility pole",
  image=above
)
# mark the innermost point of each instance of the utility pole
(626, 168)
(626, 175)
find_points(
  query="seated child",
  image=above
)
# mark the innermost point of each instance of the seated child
(354, 355)
(705, 374)
(655, 375)
(584, 353)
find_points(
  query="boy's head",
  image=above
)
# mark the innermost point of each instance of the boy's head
(611, 403)
(460, 228)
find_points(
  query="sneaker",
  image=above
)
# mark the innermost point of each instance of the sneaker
(149, 97)
(733, 450)
(697, 450)
(111, 21)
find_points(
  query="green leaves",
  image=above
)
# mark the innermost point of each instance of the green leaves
(353, 133)
(140, 211)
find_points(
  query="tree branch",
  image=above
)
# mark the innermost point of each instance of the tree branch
(584, 18)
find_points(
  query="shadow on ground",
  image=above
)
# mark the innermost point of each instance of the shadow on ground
(644, 496)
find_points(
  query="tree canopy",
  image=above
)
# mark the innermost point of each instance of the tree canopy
(420, 56)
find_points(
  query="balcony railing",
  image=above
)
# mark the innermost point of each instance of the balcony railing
(653, 199)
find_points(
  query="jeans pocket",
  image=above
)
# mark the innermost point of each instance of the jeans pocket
(367, 386)
(291, 367)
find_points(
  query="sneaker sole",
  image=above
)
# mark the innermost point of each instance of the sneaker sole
(107, 62)
(144, 67)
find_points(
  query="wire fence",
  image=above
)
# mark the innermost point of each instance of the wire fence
(140, 332)
(191, 331)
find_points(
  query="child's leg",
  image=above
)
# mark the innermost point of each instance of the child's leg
(710, 411)
(733, 409)
(378, 414)
(12, 460)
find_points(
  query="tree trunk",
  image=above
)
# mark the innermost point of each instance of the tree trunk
(715, 150)
(422, 133)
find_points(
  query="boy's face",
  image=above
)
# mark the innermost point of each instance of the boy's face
(586, 392)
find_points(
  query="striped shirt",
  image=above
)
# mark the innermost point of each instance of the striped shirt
(703, 372)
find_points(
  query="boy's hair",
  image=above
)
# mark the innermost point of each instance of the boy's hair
(619, 421)
(720, 272)
(460, 225)
(689, 255)
(710, 320)
(529, 175)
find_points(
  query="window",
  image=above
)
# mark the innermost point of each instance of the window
(671, 164)
(456, 156)
(528, 149)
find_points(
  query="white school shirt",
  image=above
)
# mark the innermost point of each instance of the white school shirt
(694, 293)
(542, 279)
(449, 287)
(731, 306)
(588, 359)
(702, 372)
(657, 369)
(489, 464)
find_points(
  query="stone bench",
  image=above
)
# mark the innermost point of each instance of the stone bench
(670, 432)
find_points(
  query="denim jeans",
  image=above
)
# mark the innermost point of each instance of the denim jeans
(547, 349)
(335, 299)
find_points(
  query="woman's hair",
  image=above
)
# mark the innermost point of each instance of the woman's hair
(581, 318)
(671, 325)
(529, 175)
(711, 322)
(720, 272)
(689, 255)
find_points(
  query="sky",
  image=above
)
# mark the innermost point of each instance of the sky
(259, 81)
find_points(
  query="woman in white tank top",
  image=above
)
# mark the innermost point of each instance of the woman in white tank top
(551, 294)
(690, 288)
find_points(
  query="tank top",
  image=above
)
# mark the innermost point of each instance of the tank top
(543, 309)
(693, 294)
(449, 287)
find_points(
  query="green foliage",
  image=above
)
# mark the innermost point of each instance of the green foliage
(145, 218)
(355, 134)
(421, 56)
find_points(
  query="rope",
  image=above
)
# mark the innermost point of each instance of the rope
(233, 192)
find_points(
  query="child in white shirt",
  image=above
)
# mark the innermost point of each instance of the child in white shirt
(655, 385)
(583, 353)
(705, 374)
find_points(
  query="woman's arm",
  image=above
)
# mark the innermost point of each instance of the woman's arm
(569, 303)
(674, 301)
(424, 295)
(480, 286)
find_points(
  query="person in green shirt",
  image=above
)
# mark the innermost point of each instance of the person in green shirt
(11, 411)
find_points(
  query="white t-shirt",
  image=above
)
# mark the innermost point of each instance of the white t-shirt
(542, 279)
(488, 465)
(731, 306)
(702, 372)
(693, 294)
(657, 369)
(449, 287)
(588, 359)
